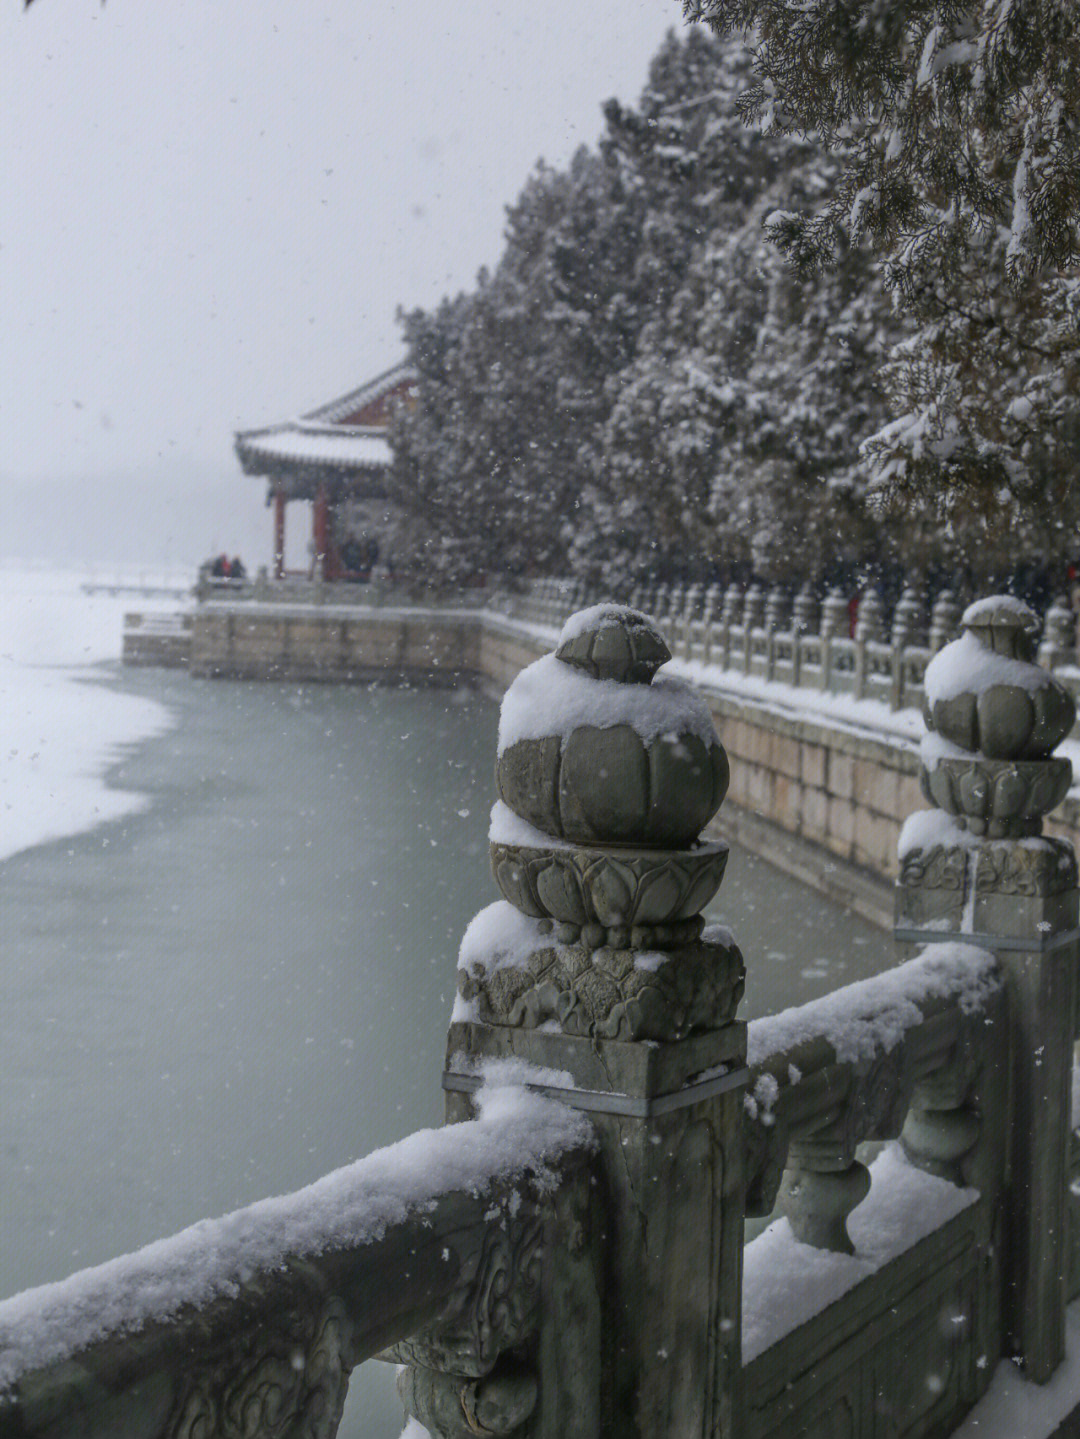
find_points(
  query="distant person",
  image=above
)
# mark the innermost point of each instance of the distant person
(236, 569)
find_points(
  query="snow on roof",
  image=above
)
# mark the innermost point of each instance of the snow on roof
(317, 444)
(336, 410)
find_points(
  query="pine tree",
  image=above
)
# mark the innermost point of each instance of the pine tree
(957, 129)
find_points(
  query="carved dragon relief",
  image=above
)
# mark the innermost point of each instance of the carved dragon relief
(469, 1374)
(283, 1379)
(612, 993)
(1043, 869)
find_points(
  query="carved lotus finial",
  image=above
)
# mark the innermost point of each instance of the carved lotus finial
(607, 773)
(613, 642)
(985, 694)
(994, 718)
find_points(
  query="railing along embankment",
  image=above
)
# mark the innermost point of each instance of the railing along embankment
(568, 1262)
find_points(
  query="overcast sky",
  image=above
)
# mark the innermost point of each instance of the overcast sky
(211, 212)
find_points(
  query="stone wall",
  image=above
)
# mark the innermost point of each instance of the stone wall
(333, 643)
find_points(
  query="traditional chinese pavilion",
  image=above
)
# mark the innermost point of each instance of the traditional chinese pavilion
(335, 459)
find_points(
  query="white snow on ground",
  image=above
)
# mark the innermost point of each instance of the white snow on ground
(517, 1133)
(1014, 1408)
(60, 731)
(786, 1283)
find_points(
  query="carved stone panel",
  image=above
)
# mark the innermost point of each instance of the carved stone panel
(609, 993)
(285, 1380)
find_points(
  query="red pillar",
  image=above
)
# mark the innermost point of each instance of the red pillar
(318, 531)
(279, 534)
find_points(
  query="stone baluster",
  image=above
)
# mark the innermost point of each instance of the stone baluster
(944, 619)
(834, 626)
(753, 620)
(710, 614)
(869, 629)
(730, 619)
(822, 1184)
(776, 605)
(995, 885)
(1059, 635)
(942, 1127)
(652, 1052)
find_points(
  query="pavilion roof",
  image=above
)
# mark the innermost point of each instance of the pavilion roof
(340, 409)
(322, 444)
(300, 442)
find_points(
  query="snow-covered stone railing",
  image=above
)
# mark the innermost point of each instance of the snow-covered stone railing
(894, 1056)
(806, 641)
(250, 1325)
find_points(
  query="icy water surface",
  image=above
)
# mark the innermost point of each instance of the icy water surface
(248, 984)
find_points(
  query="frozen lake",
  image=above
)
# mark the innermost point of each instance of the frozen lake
(245, 982)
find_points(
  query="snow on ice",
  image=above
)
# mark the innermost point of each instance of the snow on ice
(61, 729)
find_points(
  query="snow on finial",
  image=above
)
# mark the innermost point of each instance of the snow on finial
(613, 642)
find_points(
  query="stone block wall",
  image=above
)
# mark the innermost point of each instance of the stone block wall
(340, 644)
(822, 802)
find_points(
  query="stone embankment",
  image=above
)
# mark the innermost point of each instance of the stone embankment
(822, 730)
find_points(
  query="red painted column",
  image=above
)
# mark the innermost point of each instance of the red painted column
(279, 534)
(318, 531)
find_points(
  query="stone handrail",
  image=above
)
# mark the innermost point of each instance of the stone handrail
(891, 1056)
(252, 1324)
(295, 589)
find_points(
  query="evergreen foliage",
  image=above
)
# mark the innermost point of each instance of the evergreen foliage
(956, 130)
(642, 385)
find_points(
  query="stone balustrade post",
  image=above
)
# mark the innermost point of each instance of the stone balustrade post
(753, 619)
(868, 630)
(730, 616)
(906, 627)
(1059, 635)
(776, 604)
(804, 621)
(976, 870)
(596, 971)
(709, 618)
(661, 604)
(691, 607)
(834, 625)
(944, 619)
